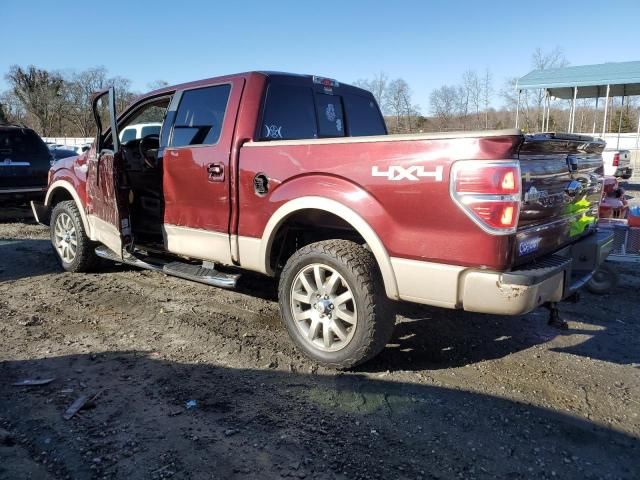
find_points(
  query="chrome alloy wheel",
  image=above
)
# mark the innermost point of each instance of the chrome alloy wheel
(323, 307)
(65, 238)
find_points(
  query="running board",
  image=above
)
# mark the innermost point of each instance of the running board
(198, 273)
(195, 273)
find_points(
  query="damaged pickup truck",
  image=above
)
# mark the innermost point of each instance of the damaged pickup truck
(295, 177)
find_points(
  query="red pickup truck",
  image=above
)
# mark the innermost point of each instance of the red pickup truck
(295, 177)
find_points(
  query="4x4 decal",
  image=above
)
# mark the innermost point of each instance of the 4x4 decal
(413, 173)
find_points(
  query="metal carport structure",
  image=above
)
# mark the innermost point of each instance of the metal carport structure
(584, 81)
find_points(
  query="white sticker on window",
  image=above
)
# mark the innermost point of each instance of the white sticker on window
(330, 112)
(339, 125)
(273, 131)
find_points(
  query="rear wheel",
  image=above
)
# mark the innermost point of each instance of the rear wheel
(333, 303)
(69, 239)
(604, 280)
(626, 176)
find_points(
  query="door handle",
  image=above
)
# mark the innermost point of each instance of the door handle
(215, 172)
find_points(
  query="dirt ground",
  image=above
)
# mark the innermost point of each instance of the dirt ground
(197, 382)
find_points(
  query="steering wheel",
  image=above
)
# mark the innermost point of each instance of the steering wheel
(147, 145)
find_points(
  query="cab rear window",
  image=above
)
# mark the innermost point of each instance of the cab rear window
(294, 112)
(22, 144)
(289, 113)
(364, 116)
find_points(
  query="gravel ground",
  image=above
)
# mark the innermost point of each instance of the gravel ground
(196, 382)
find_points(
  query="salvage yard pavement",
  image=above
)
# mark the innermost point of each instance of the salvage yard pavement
(181, 380)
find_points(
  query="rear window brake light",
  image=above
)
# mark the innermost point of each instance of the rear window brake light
(327, 82)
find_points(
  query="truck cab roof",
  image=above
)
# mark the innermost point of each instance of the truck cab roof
(284, 77)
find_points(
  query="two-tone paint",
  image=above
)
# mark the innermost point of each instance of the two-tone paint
(393, 190)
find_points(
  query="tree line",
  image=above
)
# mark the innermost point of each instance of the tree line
(470, 104)
(57, 104)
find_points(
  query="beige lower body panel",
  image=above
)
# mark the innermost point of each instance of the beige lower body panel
(197, 243)
(105, 233)
(452, 286)
(250, 254)
(426, 282)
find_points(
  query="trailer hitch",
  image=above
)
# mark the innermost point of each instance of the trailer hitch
(554, 316)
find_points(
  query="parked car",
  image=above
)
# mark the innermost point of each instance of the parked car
(24, 165)
(617, 163)
(60, 153)
(139, 130)
(295, 177)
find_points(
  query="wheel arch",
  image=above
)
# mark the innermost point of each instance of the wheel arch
(62, 190)
(279, 219)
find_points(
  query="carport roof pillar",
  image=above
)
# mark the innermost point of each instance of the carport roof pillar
(518, 108)
(606, 109)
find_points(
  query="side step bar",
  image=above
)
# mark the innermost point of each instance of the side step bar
(196, 273)
(201, 274)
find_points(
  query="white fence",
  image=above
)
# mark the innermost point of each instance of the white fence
(68, 140)
(628, 141)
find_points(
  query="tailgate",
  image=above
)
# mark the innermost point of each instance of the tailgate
(625, 159)
(562, 187)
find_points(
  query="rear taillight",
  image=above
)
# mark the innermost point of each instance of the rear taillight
(616, 159)
(489, 193)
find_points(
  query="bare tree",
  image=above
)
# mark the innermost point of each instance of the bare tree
(378, 86)
(473, 94)
(12, 107)
(157, 84)
(40, 92)
(544, 61)
(79, 88)
(444, 104)
(395, 101)
(486, 94)
(399, 104)
(124, 95)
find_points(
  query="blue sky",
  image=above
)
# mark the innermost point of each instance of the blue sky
(428, 43)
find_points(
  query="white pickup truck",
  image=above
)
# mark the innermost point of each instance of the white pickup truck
(617, 163)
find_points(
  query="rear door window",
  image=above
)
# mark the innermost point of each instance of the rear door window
(22, 145)
(200, 116)
(289, 113)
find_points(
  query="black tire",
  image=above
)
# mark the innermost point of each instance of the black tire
(604, 280)
(85, 258)
(361, 277)
(626, 177)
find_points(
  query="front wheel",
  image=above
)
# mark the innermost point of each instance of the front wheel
(333, 303)
(69, 239)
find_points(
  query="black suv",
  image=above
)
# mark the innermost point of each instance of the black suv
(24, 164)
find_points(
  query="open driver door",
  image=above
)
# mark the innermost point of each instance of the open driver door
(107, 192)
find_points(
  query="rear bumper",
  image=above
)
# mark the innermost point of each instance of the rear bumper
(623, 172)
(550, 279)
